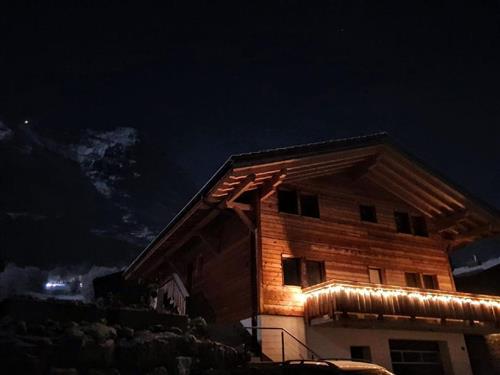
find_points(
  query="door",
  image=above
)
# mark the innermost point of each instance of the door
(416, 357)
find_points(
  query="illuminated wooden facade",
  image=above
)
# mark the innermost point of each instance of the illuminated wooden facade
(368, 216)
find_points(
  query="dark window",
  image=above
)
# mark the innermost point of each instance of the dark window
(309, 205)
(368, 213)
(402, 222)
(419, 226)
(413, 279)
(287, 202)
(291, 271)
(361, 352)
(430, 281)
(315, 272)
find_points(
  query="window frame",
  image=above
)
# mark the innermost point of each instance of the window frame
(381, 274)
(368, 206)
(434, 281)
(322, 271)
(298, 202)
(303, 275)
(408, 216)
(418, 279)
(300, 270)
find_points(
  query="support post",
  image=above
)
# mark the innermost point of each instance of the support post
(282, 346)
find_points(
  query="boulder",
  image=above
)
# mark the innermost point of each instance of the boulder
(96, 353)
(184, 365)
(126, 332)
(103, 371)
(63, 371)
(100, 331)
(158, 371)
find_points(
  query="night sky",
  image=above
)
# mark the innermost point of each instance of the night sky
(211, 79)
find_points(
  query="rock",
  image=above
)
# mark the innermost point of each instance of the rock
(184, 365)
(100, 332)
(63, 371)
(74, 333)
(157, 328)
(148, 350)
(96, 353)
(199, 327)
(126, 332)
(103, 371)
(175, 330)
(38, 330)
(21, 327)
(71, 324)
(158, 371)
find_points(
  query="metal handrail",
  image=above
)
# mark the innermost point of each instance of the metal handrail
(283, 330)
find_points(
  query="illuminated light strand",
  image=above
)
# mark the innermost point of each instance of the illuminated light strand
(420, 296)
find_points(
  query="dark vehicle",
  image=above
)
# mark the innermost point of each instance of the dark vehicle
(332, 366)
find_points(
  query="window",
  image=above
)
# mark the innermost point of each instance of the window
(315, 272)
(402, 222)
(309, 205)
(361, 352)
(368, 213)
(287, 202)
(419, 226)
(430, 281)
(375, 275)
(413, 279)
(291, 271)
(302, 272)
(291, 202)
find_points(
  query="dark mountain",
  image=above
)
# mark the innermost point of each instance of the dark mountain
(87, 197)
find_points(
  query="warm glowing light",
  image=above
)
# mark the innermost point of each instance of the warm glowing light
(420, 296)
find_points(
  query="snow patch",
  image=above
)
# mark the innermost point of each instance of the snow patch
(25, 215)
(467, 270)
(101, 152)
(5, 132)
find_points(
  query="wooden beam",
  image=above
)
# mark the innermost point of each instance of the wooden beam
(389, 185)
(415, 189)
(270, 186)
(476, 232)
(211, 242)
(361, 169)
(447, 222)
(241, 206)
(424, 177)
(245, 219)
(307, 176)
(240, 189)
(276, 166)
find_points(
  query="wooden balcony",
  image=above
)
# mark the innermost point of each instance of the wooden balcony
(332, 299)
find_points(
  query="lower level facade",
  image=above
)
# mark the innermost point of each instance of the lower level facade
(399, 350)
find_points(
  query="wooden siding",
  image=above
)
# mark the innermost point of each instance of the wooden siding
(223, 281)
(346, 245)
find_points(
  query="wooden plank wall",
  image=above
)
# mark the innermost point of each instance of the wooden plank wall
(224, 279)
(346, 245)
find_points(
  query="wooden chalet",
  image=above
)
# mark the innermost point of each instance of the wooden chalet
(333, 249)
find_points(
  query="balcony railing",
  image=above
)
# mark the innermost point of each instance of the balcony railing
(329, 298)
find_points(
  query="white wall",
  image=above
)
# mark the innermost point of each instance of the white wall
(332, 342)
(271, 339)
